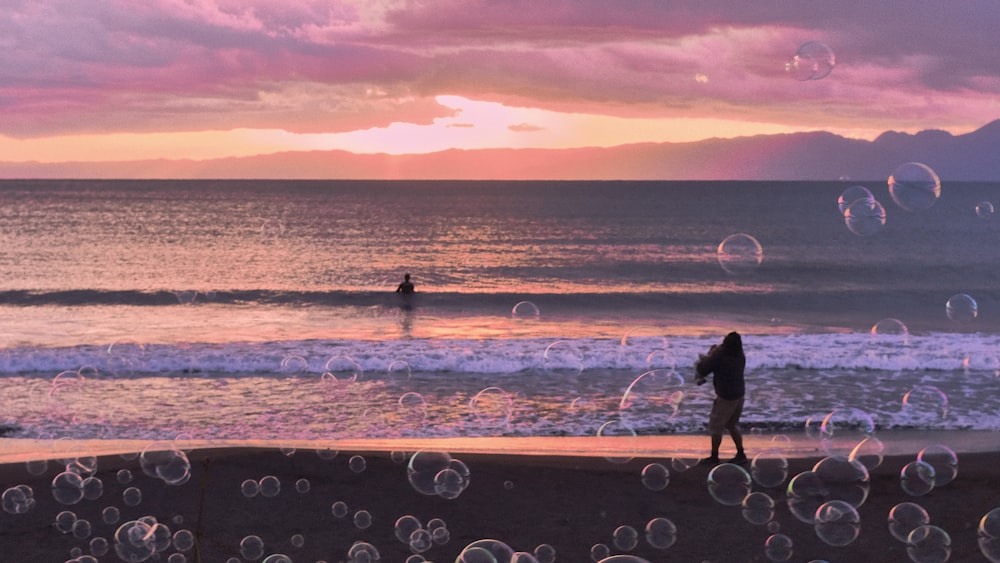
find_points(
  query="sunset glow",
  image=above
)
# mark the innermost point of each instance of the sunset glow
(99, 81)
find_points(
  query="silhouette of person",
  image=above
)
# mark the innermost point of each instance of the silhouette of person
(727, 363)
(406, 288)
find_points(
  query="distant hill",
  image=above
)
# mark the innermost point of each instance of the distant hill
(973, 156)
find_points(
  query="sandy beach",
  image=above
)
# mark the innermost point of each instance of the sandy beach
(570, 502)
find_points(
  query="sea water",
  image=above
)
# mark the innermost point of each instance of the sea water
(266, 309)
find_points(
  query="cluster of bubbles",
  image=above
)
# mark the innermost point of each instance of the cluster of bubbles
(362, 518)
(268, 486)
(437, 474)
(410, 531)
(863, 214)
(813, 60)
(740, 254)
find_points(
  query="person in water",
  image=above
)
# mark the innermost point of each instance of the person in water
(726, 363)
(406, 288)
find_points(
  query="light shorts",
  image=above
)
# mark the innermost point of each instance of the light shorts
(725, 415)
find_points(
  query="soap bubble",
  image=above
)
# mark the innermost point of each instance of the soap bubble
(562, 356)
(989, 535)
(420, 541)
(984, 210)
(657, 390)
(844, 479)
(269, 486)
(93, 488)
(110, 515)
(740, 254)
(339, 509)
(778, 547)
(252, 548)
(544, 553)
(357, 464)
(843, 429)
(302, 486)
(661, 533)
(758, 508)
(655, 477)
(183, 540)
(624, 559)
(18, 499)
(869, 452)
(729, 484)
(680, 464)
(98, 547)
(924, 404)
(917, 478)
(449, 483)
(944, 460)
(297, 540)
(37, 467)
(599, 551)
(852, 194)
(611, 435)
(914, 186)
(67, 488)
(805, 493)
(81, 529)
(272, 228)
(497, 549)
(928, 544)
(423, 469)
(277, 558)
(906, 517)
(405, 526)
(132, 496)
(65, 521)
(625, 538)
(170, 466)
(525, 310)
(124, 476)
(294, 365)
(249, 488)
(837, 523)
(342, 368)
(492, 407)
(890, 328)
(865, 217)
(961, 308)
(362, 519)
(813, 61)
(769, 468)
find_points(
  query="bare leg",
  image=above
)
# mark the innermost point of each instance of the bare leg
(737, 437)
(716, 442)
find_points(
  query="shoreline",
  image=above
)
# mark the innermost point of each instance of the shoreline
(571, 502)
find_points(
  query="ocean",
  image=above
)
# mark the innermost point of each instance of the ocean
(266, 309)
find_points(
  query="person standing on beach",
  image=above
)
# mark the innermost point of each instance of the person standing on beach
(406, 288)
(726, 362)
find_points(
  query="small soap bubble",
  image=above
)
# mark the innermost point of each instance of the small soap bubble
(944, 460)
(814, 60)
(132, 496)
(890, 328)
(837, 523)
(625, 538)
(661, 533)
(525, 310)
(843, 479)
(961, 308)
(870, 452)
(302, 486)
(492, 407)
(37, 467)
(914, 186)
(852, 194)
(758, 508)
(339, 509)
(989, 535)
(562, 356)
(924, 404)
(252, 548)
(420, 541)
(599, 551)
(67, 488)
(183, 540)
(124, 476)
(681, 464)
(405, 526)
(82, 529)
(177, 558)
(917, 478)
(249, 488)
(865, 217)
(906, 517)
(843, 429)
(655, 477)
(294, 365)
(508, 485)
(93, 488)
(65, 521)
(778, 547)
(362, 519)
(984, 210)
(729, 484)
(357, 464)
(769, 468)
(616, 437)
(398, 372)
(342, 368)
(98, 547)
(928, 544)
(449, 483)
(740, 254)
(804, 495)
(111, 515)
(297, 540)
(269, 486)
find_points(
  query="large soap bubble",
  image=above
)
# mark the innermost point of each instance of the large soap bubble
(928, 544)
(837, 523)
(943, 459)
(865, 217)
(914, 186)
(769, 468)
(729, 484)
(477, 551)
(843, 429)
(961, 308)
(758, 508)
(655, 476)
(917, 478)
(906, 517)
(924, 404)
(814, 60)
(661, 533)
(740, 254)
(890, 328)
(852, 194)
(625, 538)
(989, 535)
(778, 547)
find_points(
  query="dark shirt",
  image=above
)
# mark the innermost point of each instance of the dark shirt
(405, 288)
(728, 370)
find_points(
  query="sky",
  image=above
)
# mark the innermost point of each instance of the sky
(117, 80)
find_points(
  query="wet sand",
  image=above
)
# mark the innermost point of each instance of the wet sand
(570, 502)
